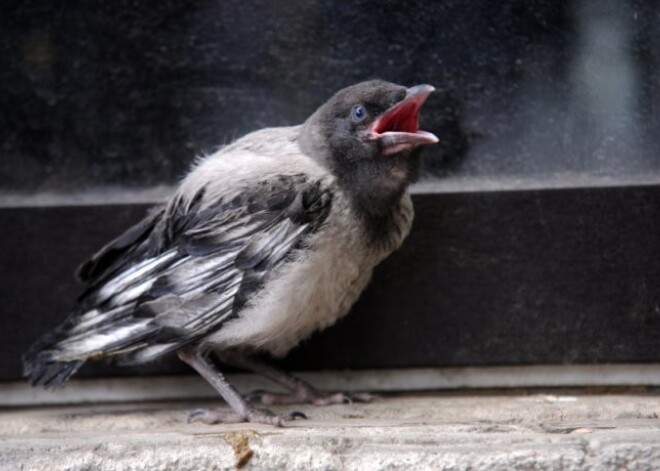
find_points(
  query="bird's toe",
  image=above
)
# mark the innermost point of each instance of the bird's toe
(256, 396)
(260, 416)
(341, 398)
(361, 397)
(264, 416)
(215, 416)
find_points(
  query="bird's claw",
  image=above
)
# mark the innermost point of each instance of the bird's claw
(341, 398)
(313, 396)
(224, 416)
(195, 414)
(264, 416)
(297, 415)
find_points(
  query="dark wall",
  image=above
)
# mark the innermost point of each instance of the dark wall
(128, 92)
(124, 94)
(498, 278)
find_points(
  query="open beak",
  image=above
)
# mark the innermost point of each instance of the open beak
(398, 128)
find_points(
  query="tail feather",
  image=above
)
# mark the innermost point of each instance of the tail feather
(98, 326)
(41, 371)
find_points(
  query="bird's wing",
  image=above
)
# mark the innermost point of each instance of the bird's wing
(181, 273)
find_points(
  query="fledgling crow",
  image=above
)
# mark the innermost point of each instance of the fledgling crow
(266, 241)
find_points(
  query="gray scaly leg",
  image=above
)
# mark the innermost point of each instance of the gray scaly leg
(241, 410)
(301, 392)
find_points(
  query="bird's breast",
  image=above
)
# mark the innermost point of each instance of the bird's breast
(313, 290)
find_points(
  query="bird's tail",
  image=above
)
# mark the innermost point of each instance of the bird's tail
(92, 332)
(40, 371)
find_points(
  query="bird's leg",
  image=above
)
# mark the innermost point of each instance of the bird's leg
(241, 410)
(300, 392)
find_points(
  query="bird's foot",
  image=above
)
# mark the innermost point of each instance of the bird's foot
(307, 396)
(228, 416)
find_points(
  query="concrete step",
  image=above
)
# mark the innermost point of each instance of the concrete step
(553, 429)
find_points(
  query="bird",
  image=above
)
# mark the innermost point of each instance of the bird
(264, 242)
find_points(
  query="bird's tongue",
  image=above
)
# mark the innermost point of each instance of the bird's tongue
(404, 117)
(398, 127)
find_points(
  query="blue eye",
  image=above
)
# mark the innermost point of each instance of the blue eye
(358, 113)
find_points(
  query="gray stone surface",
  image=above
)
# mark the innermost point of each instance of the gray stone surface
(477, 430)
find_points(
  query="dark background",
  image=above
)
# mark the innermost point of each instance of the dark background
(96, 93)
(536, 235)
(485, 278)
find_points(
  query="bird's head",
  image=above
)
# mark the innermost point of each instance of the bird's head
(368, 135)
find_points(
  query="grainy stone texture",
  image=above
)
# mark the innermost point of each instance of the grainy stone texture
(488, 430)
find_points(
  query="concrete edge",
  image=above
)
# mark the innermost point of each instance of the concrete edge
(18, 393)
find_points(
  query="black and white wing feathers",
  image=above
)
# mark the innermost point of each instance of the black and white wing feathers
(181, 273)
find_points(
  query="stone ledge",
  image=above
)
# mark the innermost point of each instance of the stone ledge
(474, 430)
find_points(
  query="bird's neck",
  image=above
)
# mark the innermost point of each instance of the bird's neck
(375, 194)
(374, 185)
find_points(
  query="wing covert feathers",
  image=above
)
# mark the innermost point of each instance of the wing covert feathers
(180, 274)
